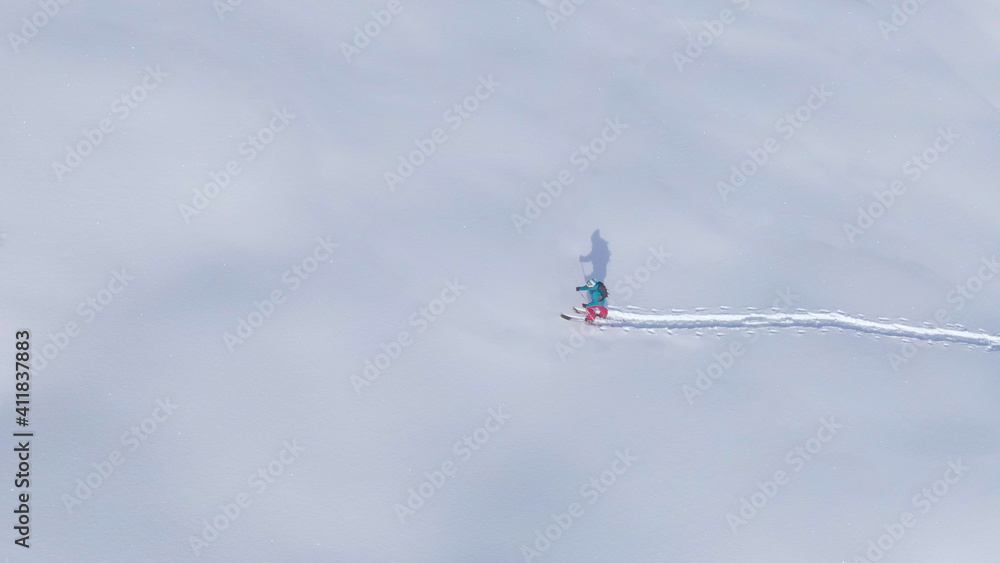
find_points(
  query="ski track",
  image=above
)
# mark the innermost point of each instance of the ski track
(753, 319)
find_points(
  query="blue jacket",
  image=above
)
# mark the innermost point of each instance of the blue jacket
(595, 296)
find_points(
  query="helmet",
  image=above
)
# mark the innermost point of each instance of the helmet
(592, 283)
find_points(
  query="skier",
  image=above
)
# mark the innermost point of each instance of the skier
(598, 298)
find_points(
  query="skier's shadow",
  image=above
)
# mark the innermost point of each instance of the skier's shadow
(599, 257)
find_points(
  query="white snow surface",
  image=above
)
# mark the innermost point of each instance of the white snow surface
(225, 240)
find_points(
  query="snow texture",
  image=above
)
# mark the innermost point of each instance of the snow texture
(293, 269)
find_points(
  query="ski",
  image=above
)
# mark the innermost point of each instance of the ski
(572, 318)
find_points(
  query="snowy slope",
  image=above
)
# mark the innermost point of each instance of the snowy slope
(340, 330)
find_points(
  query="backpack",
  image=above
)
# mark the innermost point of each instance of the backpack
(603, 289)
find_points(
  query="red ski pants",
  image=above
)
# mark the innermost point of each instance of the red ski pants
(596, 311)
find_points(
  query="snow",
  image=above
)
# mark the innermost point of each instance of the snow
(394, 320)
